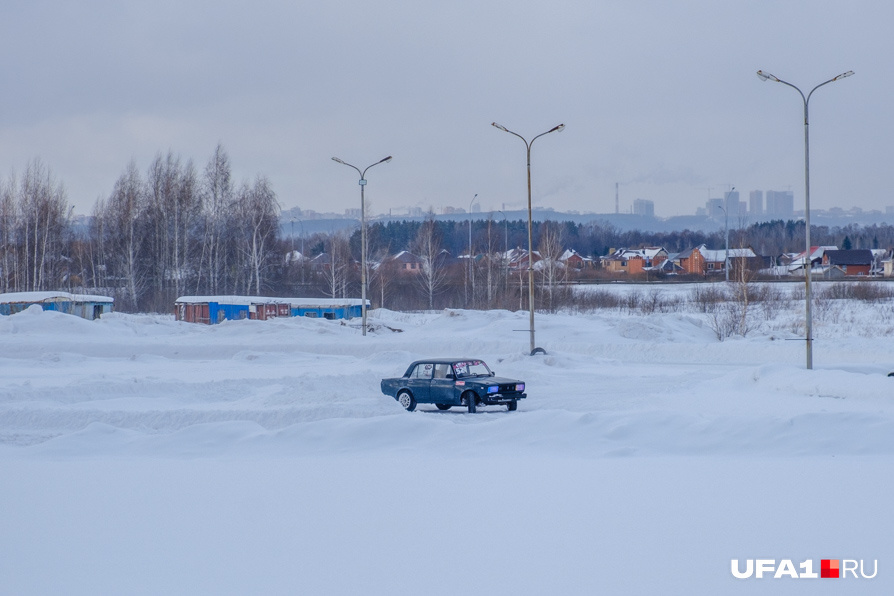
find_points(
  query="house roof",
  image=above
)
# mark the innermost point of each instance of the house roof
(406, 256)
(649, 252)
(816, 252)
(294, 302)
(35, 297)
(717, 256)
(859, 256)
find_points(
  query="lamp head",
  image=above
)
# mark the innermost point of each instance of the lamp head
(500, 126)
(386, 160)
(844, 75)
(338, 160)
(559, 128)
(764, 76)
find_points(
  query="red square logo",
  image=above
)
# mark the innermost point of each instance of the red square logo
(829, 568)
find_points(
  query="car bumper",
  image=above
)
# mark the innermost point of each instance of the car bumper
(502, 398)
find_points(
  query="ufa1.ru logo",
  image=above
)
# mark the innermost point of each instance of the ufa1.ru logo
(828, 569)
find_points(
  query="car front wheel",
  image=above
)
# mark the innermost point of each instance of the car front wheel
(512, 406)
(471, 398)
(406, 400)
(443, 406)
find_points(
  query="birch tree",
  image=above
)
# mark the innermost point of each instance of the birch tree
(258, 213)
(217, 200)
(427, 247)
(123, 213)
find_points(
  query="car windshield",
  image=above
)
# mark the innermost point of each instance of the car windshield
(471, 368)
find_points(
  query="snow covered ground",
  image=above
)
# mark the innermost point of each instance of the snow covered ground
(140, 455)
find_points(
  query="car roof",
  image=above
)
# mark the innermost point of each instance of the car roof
(445, 360)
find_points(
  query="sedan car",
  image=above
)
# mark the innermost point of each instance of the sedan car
(448, 382)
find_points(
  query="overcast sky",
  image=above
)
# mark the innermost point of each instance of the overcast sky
(659, 96)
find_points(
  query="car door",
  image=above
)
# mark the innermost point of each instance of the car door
(419, 382)
(442, 385)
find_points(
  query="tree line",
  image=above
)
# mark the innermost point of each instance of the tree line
(176, 229)
(172, 231)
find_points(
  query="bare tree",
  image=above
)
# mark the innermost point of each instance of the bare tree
(258, 214)
(44, 213)
(123, 214)
(427, 247)
(8, 231)
(162, 182)
(383, 274)
(337, 268)
(97, 237)
(493, 262)
(550, 248)
(187, 213)
(217, 199)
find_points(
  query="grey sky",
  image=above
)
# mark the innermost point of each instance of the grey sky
(659, 96)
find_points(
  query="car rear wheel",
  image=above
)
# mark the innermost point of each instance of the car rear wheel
(406, 400)
(512, 406)
(471, 398)
(443, 406)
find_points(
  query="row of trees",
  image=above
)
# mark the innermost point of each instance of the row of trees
(34, 230)
(170, 232)
(598, 238)
(175, 229)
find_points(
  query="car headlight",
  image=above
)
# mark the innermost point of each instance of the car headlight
(493, 389)
(520, 387)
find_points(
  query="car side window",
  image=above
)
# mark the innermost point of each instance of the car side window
(441, 371)
(422, 371)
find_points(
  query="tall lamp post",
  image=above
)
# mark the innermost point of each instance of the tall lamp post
(505, 234)
(471, 275)
(558, 128)
(726, 229)
(362, 233)
(504, 262)
(765, 76)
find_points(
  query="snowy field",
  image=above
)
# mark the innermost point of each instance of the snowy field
(140, 455)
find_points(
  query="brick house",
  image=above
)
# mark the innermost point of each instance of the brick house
(518, 259)
(573, 260)
(407, 262)
(634, 261)
(851, 262)
(703, 261)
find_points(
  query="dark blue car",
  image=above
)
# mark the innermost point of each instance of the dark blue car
(448, 382)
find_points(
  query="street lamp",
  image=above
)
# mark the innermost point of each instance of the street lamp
(765, 76)
(504, 262)
(558, 128)
(471, 275)
(726, 228)
(505, 235)
(362, 233)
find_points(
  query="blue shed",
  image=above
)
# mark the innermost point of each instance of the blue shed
(214, 309)
(86, 306)
(325, 308)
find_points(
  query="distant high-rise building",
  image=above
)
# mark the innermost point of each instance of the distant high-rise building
(733, 204)
(715, 207)
(780, 203)
(644, 207)
(756, 202)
